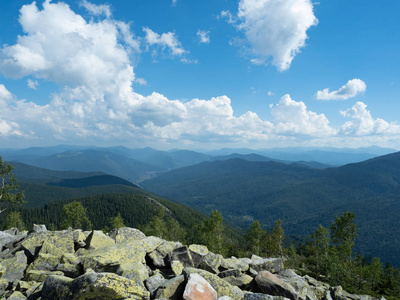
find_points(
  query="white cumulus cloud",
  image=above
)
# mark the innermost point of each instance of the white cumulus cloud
(275, 29)
(351, 89)
(363, 123)
(165, 40)
(292, 117)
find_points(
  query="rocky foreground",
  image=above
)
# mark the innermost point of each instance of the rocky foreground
(126, 264)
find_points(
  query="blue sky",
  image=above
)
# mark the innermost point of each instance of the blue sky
(200, 74)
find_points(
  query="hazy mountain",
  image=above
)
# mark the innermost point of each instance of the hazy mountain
(324, 155)
(92, 160)
(302, 197)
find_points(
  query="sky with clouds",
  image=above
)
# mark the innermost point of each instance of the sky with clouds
(200, 74)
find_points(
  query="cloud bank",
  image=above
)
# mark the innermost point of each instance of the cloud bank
(96, 102)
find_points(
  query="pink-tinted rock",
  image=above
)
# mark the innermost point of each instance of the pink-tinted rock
(198, 288)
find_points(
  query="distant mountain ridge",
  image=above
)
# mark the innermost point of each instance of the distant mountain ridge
(136, 165)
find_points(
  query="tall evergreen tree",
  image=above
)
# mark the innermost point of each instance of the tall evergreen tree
(74, 215)
(9, 186)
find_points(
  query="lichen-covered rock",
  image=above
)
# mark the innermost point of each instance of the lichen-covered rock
(62, 240)
(97, 239)
(197, 288)
(183, 255)
(154, 282)
(48, 248)
(222, 287)
(198, 252)
(16, 295)
(40, 275)
(176, 267)
(79, 239)
(45, 262)
(241, 264)
(244, 281)
(211, 262)
(159, 256)
(15, 267)
(303, 290)
(92, 286)
(125, 233)
(172, 289)
(109, 258)
(56, 287)
(257, 296)
(135, 271)
(272, 265)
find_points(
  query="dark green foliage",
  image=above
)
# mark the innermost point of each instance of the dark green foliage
(9, 186)
(117, 222)
(14, 220)
(74, 215)
(164, 227)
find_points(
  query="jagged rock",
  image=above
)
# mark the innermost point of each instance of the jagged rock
(272, 285)
(15, 267)
(62, 240)
(319, 288)
(197, 288)
(40, 275)
(211, 262)
(97, 239)
(229, 273)
(244, 282)
(176, 267)
(256, 296)
(183, 255)
(7, 237)
(272, 265)
(172, 289)
(16, 296)
(56, 287)
(70, 265)
(154, 282)
(45, 262)
(222, 287)
(159, 256)
(197, 252)
(48, 248)
(39, 228)
(303, 290)
(92, 286)
(241, 264)
(79, 239)
(135, 271)
(125, 233)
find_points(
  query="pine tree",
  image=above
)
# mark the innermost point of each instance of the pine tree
(9, 186)
(74, 215)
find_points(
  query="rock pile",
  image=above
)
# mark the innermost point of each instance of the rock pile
(126, 264)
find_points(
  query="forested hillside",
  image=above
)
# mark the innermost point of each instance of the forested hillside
(301, 197)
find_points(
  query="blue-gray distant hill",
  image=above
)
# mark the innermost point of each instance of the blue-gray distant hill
(301, 196)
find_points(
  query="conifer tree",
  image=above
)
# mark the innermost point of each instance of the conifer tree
(74, 215)
(9, 186)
